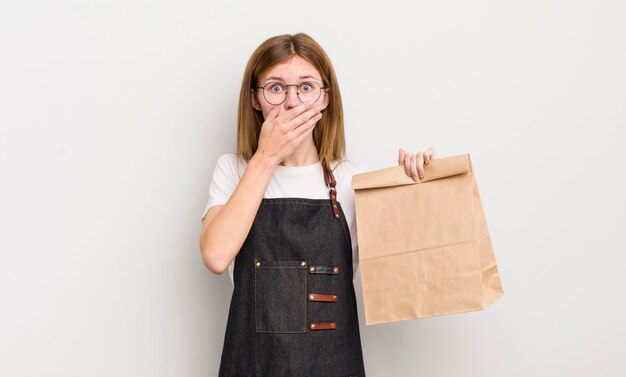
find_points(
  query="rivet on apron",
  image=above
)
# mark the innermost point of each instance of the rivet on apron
(303, 263)
(312, 269)
(258, 264)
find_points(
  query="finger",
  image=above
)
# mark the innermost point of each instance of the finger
(414, 168)
(407, 164)
(293, 113)
(304, 130)
(273, 114)
(428, 155)
(420, 164)
(303, 118)
(401, 154)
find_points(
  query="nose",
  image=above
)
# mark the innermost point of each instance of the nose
(292, 99)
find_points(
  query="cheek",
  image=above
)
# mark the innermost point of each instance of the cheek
(265, 107)
(265, 110)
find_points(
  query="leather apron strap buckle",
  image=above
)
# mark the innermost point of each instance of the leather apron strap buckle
(329, 179)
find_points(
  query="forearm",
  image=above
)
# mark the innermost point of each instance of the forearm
(222, 238)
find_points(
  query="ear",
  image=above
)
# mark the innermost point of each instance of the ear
(255, 101)
(326, 99)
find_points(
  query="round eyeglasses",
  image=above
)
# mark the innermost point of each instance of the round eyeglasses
(276, 93)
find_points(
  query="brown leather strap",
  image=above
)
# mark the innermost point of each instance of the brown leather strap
(329, 178)
(329, 270)
(322, 326)
(319, 297)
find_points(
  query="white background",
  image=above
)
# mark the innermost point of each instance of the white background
(113, 114)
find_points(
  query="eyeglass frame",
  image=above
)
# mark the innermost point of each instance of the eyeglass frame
(322, 88)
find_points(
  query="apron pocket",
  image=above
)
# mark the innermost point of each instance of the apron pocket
(280, 296)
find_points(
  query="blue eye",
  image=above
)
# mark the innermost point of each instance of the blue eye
(306, 87)
(277, 88)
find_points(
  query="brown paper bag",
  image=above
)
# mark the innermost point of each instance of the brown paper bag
(424, 248)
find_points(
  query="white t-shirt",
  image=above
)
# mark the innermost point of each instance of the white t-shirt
(290, 181)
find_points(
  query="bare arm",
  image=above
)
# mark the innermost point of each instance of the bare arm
(226, 227)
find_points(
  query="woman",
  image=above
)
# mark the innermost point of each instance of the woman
(289, 245)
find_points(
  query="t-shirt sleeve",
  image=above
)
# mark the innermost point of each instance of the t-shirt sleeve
(224, 182)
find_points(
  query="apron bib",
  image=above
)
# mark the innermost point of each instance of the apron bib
(293, 309)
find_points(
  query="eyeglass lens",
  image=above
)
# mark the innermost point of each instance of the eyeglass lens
(276, 93)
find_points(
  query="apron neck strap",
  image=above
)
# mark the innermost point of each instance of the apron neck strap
(329, 178)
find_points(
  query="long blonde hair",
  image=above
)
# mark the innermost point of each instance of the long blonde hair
(328, 134)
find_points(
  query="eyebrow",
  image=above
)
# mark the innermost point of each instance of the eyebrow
(281, 79)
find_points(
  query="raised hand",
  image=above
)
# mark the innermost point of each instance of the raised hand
(283, 130)
(414, 162)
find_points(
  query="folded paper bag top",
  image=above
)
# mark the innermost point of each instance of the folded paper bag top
(395, 176)
(424, 248)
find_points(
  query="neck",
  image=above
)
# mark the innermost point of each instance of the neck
(305, 154)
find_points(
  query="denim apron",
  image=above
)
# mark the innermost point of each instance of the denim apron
(293, 309)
